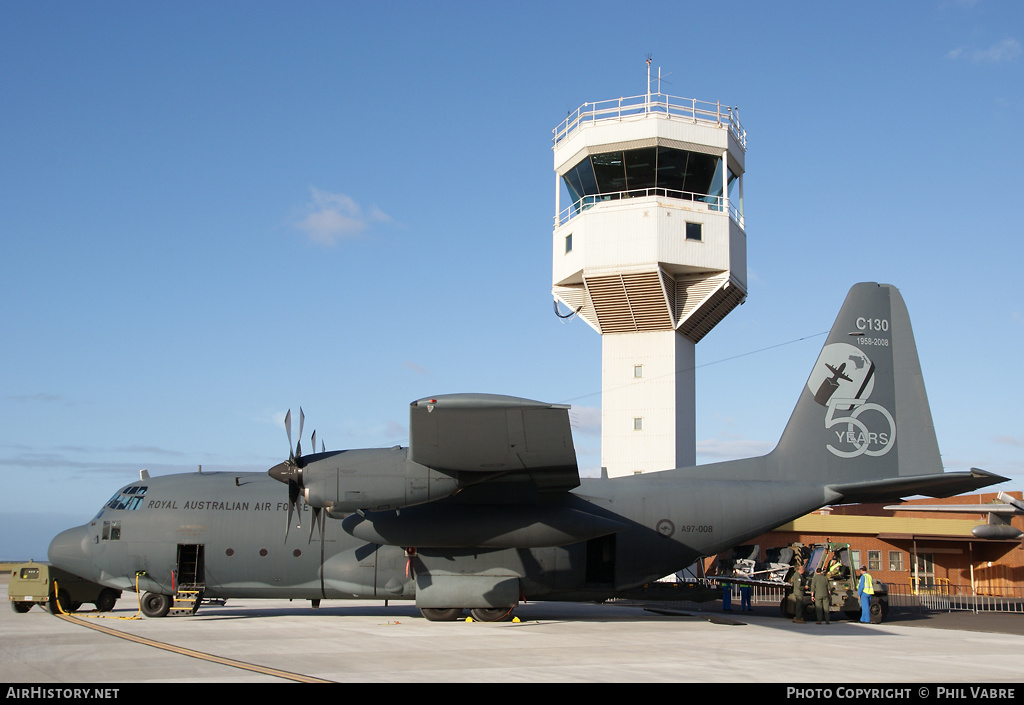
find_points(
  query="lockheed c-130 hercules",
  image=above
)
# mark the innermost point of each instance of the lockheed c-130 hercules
(486, 508)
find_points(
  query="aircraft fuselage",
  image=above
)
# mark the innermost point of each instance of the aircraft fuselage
(663, 522)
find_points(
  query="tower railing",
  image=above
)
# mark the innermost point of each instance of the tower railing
(711, 203)
(672, 107)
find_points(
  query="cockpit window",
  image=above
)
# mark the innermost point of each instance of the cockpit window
(129, 498)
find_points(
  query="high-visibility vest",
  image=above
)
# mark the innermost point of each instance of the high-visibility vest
(869, 587)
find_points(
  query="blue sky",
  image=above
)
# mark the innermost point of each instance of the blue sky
(215, 212)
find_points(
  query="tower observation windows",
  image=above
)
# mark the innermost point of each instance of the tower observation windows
(648, 171)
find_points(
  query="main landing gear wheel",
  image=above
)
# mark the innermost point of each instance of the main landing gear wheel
(156, 605)
(496, 614)
(441, 615)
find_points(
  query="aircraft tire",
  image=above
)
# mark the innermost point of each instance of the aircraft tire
(441, 615)
(21, 607)
(106, 600)
(156, 605)
(496, 614)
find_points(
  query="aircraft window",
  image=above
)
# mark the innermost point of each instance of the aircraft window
(111, 531)
(128, 498)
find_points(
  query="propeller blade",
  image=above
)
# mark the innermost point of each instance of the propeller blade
(314, 440)
(288, 430)
(293, 497)
(317, 522)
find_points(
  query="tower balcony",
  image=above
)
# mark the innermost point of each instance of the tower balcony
(650, 263)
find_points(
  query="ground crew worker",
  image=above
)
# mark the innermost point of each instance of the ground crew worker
(798, 594)
(820, 596)
(866, 590)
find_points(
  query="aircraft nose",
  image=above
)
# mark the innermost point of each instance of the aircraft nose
(70, 550)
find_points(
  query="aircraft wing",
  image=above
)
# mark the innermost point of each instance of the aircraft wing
(489, 433)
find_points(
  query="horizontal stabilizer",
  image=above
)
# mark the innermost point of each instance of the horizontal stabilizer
(894, 489)
(494, 434)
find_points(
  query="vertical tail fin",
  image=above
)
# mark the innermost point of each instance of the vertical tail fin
(862, 423)
(863, 414)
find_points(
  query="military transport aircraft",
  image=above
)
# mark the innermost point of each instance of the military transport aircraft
(485, 508)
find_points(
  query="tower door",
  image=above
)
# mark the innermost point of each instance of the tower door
(191, 567)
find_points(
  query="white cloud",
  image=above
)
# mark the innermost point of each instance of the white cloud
(1006, 50)
(413, 367)
(331, 217)
(1010, 440)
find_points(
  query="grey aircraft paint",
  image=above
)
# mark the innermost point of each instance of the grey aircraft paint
(486, 506)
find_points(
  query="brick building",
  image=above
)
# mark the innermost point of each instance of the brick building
(901, 547)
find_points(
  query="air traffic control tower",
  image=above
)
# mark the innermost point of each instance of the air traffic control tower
(651, 252)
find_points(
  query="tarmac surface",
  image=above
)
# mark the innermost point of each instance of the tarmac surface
(367, 641)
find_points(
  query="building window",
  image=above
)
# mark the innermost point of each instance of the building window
(638, 371)
(896, 560)
(874, 560)
(694, 231)
(568, 243)
(638, 424)
(855, 559)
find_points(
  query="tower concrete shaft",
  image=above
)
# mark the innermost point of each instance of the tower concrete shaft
(651, 252)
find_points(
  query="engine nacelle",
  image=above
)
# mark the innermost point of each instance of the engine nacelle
(372, 479)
